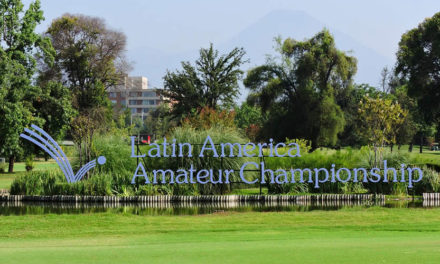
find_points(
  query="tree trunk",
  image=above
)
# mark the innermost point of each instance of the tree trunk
(398, 147)
(391, 147)
(421, 143)
(11, 164)
(410, 147)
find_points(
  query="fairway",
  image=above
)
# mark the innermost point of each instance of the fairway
(355, 235)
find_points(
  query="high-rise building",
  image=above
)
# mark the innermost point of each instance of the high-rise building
(134, 94)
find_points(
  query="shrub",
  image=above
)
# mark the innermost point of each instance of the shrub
(29, 163)
(37, 183)
(116, 149)
(218, 134)
(208, 117)
(429, 183)
(2, 167)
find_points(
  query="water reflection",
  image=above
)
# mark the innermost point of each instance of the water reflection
(22, 208)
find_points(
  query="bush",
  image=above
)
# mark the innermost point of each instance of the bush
(54, 183)
(2, 167)
(429, 183)
(116, 149)
(37, 183)
(196, 137)
(29, 163)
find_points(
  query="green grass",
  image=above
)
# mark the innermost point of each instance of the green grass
(375, 235)
(19, 168)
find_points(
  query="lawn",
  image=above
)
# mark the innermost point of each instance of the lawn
(19, 168)
(356, 235)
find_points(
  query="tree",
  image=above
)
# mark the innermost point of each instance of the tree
(246, 115)
(250, 119)
(418, 63)
(89, 58)
(410, 126)
(385, 76)
(210, 82)
(298, 90)
(52, 103)
(158, 122)
(349, 100)
(382, 119)
(84, 127)
(19, 44)
(209, 117)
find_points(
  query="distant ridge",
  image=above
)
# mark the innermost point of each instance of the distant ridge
(258, 41)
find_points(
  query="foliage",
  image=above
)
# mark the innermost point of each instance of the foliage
(430, 182)
(196, 137)
(209, 117)
(84, 128)
(54, 183)
(247, 115)
(53, 105)
(19, 45)
(298, 90)
(409, 127)
(89, 58)
(212, 81)
(418, 60)
(304, 145)
(382, 119)
(2, 167)
(115, 147)
(158, 123)
(250, 118)
(29, 163)
(348, 99)
(253, 132)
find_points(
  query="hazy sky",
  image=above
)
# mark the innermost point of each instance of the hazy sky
(177, 26)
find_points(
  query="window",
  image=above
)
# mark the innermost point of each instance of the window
(149, 94)
(114, 101)
(135, 102)
(112, 94)
(148, 102)
(146, 110)
(135, 94)
(123, 102)
(133, 110)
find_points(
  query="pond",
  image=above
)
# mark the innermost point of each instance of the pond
(33, 208)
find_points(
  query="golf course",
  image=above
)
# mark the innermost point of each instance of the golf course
(348, 235)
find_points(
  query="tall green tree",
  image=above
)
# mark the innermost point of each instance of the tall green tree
(19, 45)
(90, 58)
(212, 81)
(299, 88)
(418, 63)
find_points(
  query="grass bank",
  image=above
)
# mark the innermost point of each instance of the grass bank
(355, 235)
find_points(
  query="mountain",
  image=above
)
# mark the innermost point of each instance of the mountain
(258, 41)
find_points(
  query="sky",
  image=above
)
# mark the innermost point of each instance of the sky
(173, 26)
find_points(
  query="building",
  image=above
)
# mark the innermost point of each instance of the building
(134, 94)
